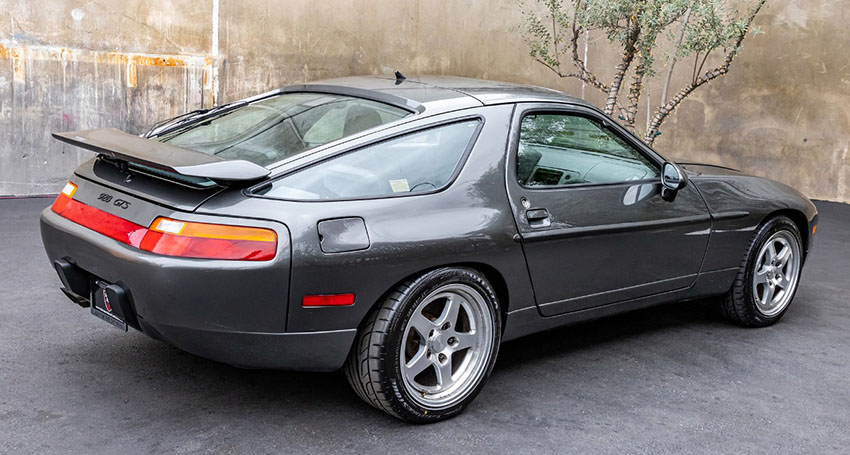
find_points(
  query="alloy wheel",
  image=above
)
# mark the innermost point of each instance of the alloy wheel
(776, 273)
(447, 345)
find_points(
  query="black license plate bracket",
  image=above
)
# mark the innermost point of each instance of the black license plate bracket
(106, 305)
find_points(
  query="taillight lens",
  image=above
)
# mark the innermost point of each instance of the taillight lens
(172, 237)
(62, 200)
(210, 241)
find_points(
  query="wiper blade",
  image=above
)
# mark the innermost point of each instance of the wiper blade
(192, 117)
(159, 126)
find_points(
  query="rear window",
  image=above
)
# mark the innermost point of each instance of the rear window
(418, 162)
(281, 126)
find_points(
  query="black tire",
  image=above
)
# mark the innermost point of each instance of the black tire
(739, 304)
(373, 367)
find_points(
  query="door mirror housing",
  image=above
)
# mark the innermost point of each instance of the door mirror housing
(673, 178)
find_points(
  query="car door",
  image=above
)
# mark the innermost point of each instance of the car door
(587, 199)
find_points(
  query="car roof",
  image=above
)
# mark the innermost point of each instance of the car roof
(436, 94)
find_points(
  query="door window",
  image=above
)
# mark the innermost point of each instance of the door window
(562, 149)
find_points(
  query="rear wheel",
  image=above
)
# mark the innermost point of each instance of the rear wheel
(768, 278)
(426, 351)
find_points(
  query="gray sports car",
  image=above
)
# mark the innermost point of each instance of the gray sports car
(401, 229)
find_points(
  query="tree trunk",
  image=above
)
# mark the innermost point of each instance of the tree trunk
(634, 94)
(620, 72)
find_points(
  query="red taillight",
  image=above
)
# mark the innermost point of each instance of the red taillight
(172, 237)
(210, 241)
(65, 196)
(328, 300)
(97, 220)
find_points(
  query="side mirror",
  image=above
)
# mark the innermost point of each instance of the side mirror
(673, 179)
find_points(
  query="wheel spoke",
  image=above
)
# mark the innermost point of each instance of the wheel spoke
(771, 251)
(421, 324)
(761, 277)
(450, 312)
(465, 340)
(784, 255)
(768, 294)
(418, 363)
(444, 373)
(785, 282)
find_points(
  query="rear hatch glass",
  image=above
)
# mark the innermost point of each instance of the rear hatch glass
(281, 126)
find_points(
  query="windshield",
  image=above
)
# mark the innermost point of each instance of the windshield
(281, 126)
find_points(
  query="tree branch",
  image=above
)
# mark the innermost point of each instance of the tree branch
(673, 61)
(664, 111)
(704, 58)
(587, 76)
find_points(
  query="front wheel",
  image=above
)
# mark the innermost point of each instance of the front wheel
(769, 275)
(426, 351)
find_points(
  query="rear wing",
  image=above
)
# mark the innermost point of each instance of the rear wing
(118, 145)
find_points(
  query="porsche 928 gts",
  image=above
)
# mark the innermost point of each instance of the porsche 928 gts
(401, 229)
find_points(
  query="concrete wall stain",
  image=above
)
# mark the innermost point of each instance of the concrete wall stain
(782, 112)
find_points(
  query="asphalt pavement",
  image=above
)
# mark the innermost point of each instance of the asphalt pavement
(671, 379)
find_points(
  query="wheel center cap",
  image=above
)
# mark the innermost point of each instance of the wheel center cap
(437, 343)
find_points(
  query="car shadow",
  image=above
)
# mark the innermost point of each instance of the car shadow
(563, 341)
(141, 373)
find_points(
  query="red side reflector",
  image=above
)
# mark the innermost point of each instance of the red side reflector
(328, 300)
(221, 241)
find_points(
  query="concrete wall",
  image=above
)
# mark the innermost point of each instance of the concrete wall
(66, 64)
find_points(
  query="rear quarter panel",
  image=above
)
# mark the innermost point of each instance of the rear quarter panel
(467, 223)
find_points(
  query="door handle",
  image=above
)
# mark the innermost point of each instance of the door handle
(536, 215)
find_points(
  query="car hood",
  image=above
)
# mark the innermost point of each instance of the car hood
(702, 169)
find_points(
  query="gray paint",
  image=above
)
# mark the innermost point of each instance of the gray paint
(685, 248)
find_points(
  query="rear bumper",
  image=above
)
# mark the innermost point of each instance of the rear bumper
(301, 351)
(229, 311)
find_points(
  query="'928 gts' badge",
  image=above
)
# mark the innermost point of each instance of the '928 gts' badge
(120, 203)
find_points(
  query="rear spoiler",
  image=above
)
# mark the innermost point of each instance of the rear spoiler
(118, 145)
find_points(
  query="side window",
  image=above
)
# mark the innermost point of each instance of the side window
(416, 162)
(563, 149)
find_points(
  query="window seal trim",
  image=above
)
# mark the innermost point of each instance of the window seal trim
(591, 185)
(580, 111)
(372, 95)
(251, 191)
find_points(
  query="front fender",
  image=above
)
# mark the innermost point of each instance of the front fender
(739, 204)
